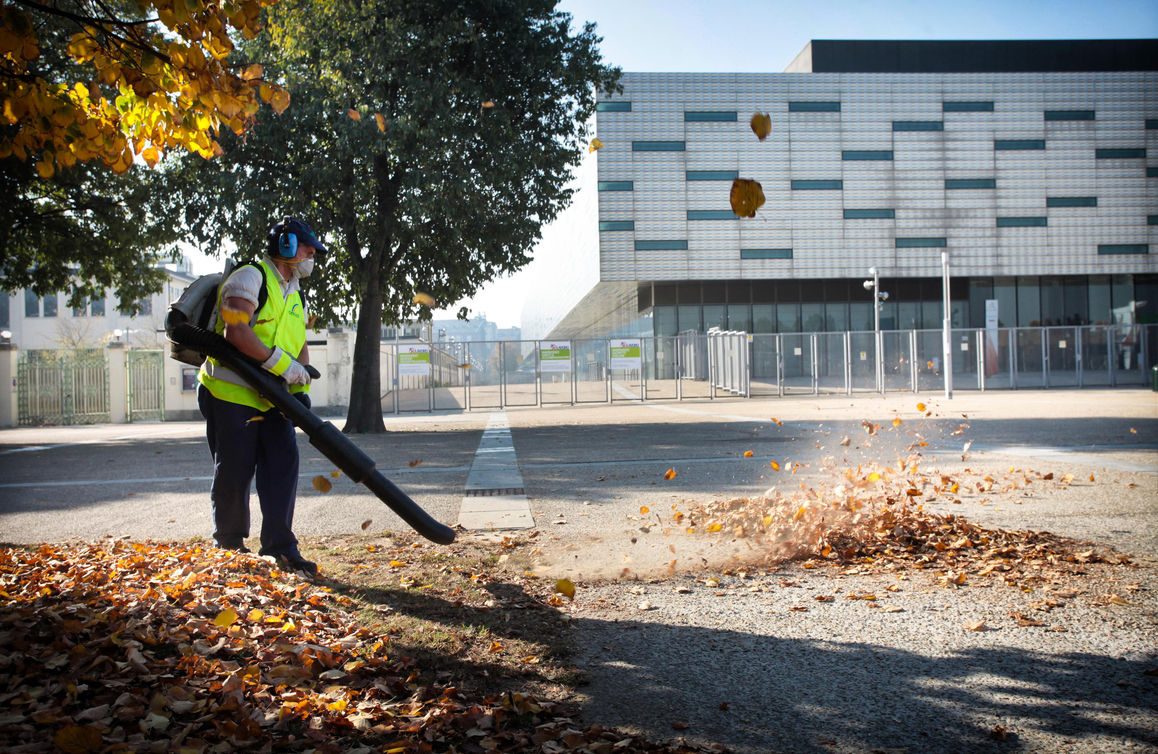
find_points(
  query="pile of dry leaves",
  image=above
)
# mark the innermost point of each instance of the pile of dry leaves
(874, 519)
(156, 647)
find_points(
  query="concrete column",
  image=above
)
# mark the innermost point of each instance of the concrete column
(118, 384)
(10, 406)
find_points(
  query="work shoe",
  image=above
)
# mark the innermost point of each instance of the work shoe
(293, 561)
(236, 548)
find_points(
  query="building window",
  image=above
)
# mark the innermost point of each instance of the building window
(711, 214)
(31, 303)
(617, 225)
(713, 175)
(657, 146)
(814, 107)
(661, 245)
(1152, 219)
(971, 183)
(1123, 248)
(1152, 172)
(920, 243)
(50, 305)
(82, 310)
(851, 155)
(1015, 145)
(5, 313)
(1152, 124)
(1071, 201)
(967, 107)
(1022, 222)
(613, 107)
(616, 186)
(869, 214)
(1119, 154)
(816, 185)
(710, 116)
(97, 307)
(144, 307)
(1070, 115)
(765, 253)
(918, 125)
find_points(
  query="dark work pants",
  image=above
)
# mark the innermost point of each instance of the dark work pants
(242, 441)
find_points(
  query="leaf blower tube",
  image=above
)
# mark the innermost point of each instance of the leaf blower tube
(323, 435)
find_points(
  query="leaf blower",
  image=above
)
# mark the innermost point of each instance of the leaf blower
(323, 435)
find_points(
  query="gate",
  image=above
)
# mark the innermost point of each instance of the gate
(145, 378)
(62, 387)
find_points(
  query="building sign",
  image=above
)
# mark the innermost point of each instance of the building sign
(414, 361)
(555, 356)
(627, 354)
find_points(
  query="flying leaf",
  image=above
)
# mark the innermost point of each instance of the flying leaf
(896, 421)
(670, 474)
(845, 441)
(321, 484)
(424, 299)
(976, 626)
(487, 105)
(354, 115)
(746, 197)
(226, 618)
(644, 510)
(874, 476)
(747, 454)
(335, 474)
(921, 407)
(595, 146)
(775, 465)
(380, 119)
(566, 588)
(761, 125)
(366, 524)
(414, 462)
(777, 422)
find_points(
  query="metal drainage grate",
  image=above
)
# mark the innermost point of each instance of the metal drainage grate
(496, 492)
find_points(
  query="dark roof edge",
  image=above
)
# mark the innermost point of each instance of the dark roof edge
(979, 56)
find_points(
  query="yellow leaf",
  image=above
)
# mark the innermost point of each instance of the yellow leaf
(799, 514)
(921, 407)
(354, 115)
(566, 588)
(747, 454)
(874, 477)
(595, 146)
(321, 484)
(252, 72)
(335, 474)
(366, 524)
(151, 155)
(338, 706)
(424, 299)
(226, 618)
(777, 422)
(670, 474)
(488, 104)
(279, 100)
(896, 421)
(380, 119)
(496, 646)
(397, 563)
(255, 615)
(746, 197)
(45, 168)
(761, 125)
(644, 510)
(775, 466)
(715, 527)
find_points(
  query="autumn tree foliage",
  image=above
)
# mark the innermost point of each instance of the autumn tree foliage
(88, 89)
(428, 141)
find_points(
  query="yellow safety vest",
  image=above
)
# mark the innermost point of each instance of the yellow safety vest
(280, 322)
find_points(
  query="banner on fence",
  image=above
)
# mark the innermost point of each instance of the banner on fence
(627, 354)
(414, 361)
(991, 321)
(555, 356)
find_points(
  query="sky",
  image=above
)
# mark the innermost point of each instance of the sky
(765, 35)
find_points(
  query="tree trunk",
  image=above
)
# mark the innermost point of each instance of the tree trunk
(365, 413)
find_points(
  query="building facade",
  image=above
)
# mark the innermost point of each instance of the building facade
(1033, 164)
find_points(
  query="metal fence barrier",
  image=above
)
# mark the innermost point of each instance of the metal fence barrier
(502, 374)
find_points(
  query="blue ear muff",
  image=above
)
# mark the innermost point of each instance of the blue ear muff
(287, 245)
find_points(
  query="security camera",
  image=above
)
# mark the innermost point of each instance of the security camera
(868, 285)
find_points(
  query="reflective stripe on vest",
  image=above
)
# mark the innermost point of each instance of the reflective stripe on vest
(280, 322)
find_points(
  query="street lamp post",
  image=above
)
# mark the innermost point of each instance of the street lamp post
(946, 326)
(879, 296)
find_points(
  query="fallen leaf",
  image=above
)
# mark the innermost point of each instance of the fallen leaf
(226, 618)
(321, 484)
(366, 524)
(566, 588)
(761, 124)
(680, 725)
(976, 626)
(414, 462)
(78, 739)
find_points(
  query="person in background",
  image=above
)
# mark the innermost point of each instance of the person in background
(260, 312)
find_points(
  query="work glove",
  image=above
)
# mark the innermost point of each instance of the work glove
(286, 367)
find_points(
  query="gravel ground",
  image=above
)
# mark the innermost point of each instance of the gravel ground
(757, 664)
